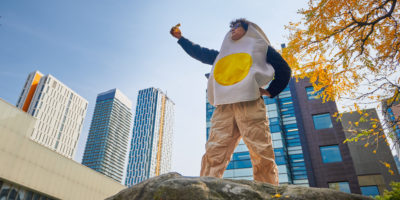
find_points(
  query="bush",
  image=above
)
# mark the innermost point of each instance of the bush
(391, 195)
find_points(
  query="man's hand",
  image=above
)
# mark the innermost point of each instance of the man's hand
(265, 92)
(176, 32)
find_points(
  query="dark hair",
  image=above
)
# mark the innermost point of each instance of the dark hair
(243, 23)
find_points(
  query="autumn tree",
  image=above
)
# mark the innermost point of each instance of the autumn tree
(349, 49)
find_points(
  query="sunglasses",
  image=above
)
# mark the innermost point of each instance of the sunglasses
(235, 26)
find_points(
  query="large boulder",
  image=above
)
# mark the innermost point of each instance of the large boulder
(173, 186)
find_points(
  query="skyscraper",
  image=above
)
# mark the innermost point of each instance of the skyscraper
(151, 145)
(108, 138)
(60, 112)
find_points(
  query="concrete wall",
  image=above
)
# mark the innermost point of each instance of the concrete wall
(36, 167)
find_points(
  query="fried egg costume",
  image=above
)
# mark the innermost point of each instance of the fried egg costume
(240, 68)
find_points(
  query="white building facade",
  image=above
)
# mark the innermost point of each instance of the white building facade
(60, 112)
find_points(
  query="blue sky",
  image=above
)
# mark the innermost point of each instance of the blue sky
(93, 46)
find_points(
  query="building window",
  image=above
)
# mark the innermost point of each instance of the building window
(5, 189)
(311, 94)
(370, 190)
(340, 186)
(330, 154)
(275, 128)
(322, 121)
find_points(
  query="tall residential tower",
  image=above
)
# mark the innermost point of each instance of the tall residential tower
(151, 145)
(108, 139)
(60, 112)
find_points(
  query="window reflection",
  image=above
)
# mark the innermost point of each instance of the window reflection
(322, 121)
(5, 189)
(340, 186)
(330, 154)
(311, 94)
(370, 190)
(14, 192)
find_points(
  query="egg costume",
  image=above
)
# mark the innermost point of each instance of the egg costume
(240, 68)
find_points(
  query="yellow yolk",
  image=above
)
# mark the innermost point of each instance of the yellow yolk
(232, 69)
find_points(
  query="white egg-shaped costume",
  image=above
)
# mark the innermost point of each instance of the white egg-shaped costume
(240, 68)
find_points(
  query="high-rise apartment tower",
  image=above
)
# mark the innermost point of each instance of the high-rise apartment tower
(60, 112)
(108, 139)
(151, 145)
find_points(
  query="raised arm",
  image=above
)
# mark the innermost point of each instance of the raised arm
(197, 52)
(282, 72)
(204, 55)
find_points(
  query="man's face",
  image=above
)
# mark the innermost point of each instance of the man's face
(237, 32)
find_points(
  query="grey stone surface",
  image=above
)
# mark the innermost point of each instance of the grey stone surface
(173, 186)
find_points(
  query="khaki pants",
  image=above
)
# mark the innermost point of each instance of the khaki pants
(231, 122)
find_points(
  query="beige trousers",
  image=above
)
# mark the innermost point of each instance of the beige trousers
(229, 124)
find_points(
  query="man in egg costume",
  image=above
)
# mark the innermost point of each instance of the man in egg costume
(241, 70)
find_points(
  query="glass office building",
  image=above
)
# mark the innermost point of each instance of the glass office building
(151, 144)
(108, 138)
(286, 142)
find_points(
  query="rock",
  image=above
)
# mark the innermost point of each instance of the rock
(173, 186)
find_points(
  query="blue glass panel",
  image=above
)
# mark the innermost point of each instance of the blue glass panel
(296, 156)
(106, 96)
(279, 152)
(290, 126)
(241, 156)
(330, 154)
(294, 140)
(293, 144)
(299, 168)
(370, 190)
(275, 128)
(298, 164)
(288, 112)
(322, 121)
(284, 100)
(280, 160)
(311, 94)
(299, 173)
(273, 121)
(242, 164)
(269, 100)
(300, 177)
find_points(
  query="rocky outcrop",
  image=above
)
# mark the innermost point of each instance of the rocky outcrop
(173, 186)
